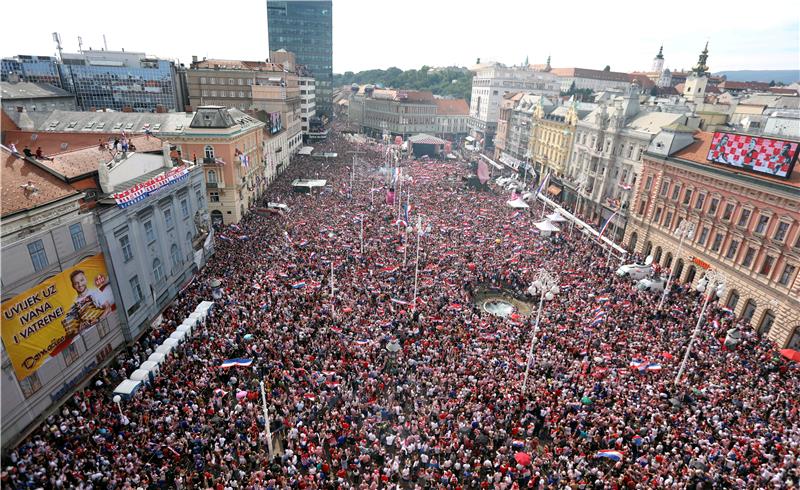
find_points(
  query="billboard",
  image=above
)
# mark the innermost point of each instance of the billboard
(760, 155)
(42, 321)
(274, 120)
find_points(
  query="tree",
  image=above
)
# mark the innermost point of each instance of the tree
(654, 91)
(607, 68)
(772, 83)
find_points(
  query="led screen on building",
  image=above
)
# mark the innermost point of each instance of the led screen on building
(274, 122)
(760, 155)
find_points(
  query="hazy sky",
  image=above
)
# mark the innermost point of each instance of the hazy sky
(410, 33)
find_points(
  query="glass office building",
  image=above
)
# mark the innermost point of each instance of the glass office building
(306, 29)
(104, 79)
(34, 69)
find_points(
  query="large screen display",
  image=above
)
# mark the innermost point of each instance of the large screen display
(761, 155)
(275, 122)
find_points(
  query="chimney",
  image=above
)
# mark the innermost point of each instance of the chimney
(188, 108)
(194, 59)
(20, 108)
(160, 109)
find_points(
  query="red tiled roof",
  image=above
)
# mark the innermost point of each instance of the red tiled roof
(783, 91)
(82, 161)
(415, 96)
(727, 84)
(593, 74)
(16, 173)
(451, 107)
(644, 80)
(697, 152)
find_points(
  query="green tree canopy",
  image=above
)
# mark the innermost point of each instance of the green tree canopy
(446, 82)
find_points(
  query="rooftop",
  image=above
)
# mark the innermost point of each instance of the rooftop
(79, 162)
(697, 152)
(452, 107)
(593, 74)
(25, 186)
(28, 90)
(217, 64)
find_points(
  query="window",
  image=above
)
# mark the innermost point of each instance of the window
(712, 207)
(149, 233)
(168, 218)
(733, 300)
(703, 236)
(744, 217)
(717, 242)
(668, 220)
(780, 231)
(30, 385)
(766, 323)
(749, 310)
(676, 191)
(38, 255)
(231, 81)
(701, 199)
(209, 152)
(786, 275)
(158, 271)
(687, 196)
(212, 177)
(794, 340)
(233, 94)
(748, 257)
(664, 188)
(78, 240)
(184, 208)
(241, 94)
(102, 328)
(734, 245)
(176, 255)
(203, 80)
(657, 216)
(212, 80)
(240, 81)
(726, 215)
(766, 266)
(214, 196)
(137, 290)
(70, 354)
(761, 226)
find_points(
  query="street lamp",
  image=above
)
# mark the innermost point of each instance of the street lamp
(266, 419)
(684, 230)
(546, 286)
(118, 399)
(420, 232)
(713, 284)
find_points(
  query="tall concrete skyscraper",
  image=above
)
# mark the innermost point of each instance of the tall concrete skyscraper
(306, 29)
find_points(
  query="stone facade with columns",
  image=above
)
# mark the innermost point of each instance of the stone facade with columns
(746, 225)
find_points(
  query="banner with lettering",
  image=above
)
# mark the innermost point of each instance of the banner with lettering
(151, 186)
(42, 321)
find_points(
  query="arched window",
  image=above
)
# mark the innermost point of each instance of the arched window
(158, 271)
(648, 247)
(216, 217)
(209, 152)
(766, 323)
(794, 340)
(632, 242)
(678, 268)
(657, 255)
(668, 260)
(189, 240)
(733, 299)
(176, 255)
(749, 310)
(212, 177)
(690, 275)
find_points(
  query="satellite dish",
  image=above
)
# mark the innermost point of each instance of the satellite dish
(648, 260)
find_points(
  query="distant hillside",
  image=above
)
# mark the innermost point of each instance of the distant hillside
(779, 76)
(448, 82)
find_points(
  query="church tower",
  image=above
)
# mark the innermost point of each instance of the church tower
(658, 61)
(694, 90)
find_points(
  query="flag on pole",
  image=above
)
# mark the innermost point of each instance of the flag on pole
(299, 285)
(543, 184)
(605, 225)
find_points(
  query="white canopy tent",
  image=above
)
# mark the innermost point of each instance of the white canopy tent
(151, 367)
(179, 335)
(127, 389)
(306, 150)
(142, 375)
(555, 217)
(157, 357)
(517, 204)
(546, 226)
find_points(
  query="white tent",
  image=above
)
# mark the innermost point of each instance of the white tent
(150, 367)
(178, 335)
(165, 349)
(306, 150)
(185, 328)
(556, 218)
(204, 306)
(170, 342)
(157, 357)
(546, 226)
(142, 375)
(517, 204)
(127, 388)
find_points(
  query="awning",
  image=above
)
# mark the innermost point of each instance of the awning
(306, 150)
(554, 190)
(556, 218)
(517, 204)
(546, 226)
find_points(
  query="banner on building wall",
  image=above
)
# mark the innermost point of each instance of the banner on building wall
(42, 321)
(144, 190)
(761, 155)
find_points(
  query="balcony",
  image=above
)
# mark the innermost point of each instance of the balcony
(212, 185)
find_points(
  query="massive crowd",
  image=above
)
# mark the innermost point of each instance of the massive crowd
(447, 409)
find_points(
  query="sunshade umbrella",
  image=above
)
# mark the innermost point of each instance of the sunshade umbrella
(523, 458)
(791, 354)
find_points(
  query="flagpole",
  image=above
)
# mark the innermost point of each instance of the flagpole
(362, 234)
(333, 298)
(266, 420)
(416, 265)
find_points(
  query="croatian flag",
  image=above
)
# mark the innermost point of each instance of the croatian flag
(401, 222)
(598, 310)
(638, 440)
(602, 299)
(362, 342)
(597, 321)
(400, 301)
(653, 366)
(543, 185)
(236, 362)
(605, 225)
(391, 268)
(625, 186)
(610, 454)
(639, 364)
(727, 310)
(299, 285)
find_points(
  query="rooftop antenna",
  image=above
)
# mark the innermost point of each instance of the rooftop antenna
(105, 44)
(80, 44)
(57, 40)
